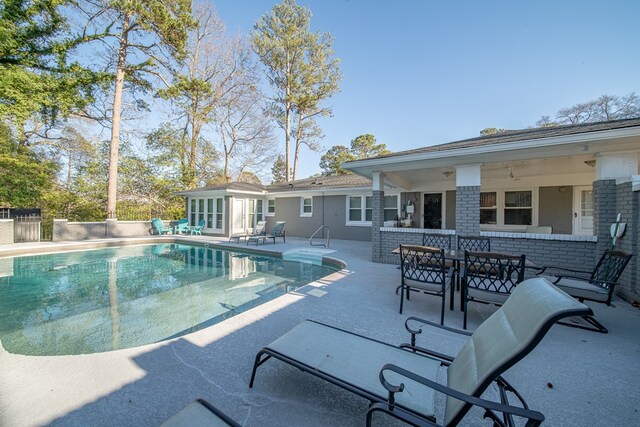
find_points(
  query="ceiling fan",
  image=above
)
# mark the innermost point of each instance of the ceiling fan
(509, 177)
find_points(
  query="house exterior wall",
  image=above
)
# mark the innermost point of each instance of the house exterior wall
(327, 210)
(555, 208)
(450, 210)
(573, 254)
(415, 198)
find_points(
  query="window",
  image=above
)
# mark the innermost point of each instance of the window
(518, 208)
(252, 213)
(390, 208)
(368, 208)
(200, 209)
(219, 213)
(192, 212)
(306, 206)
(355, 208)
(359, 209)
(489, 208)
(259, 210)
(210, 213)
(271, 207)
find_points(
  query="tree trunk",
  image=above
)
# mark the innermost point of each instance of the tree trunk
(112, 182)
(297, 150)
(287, 142)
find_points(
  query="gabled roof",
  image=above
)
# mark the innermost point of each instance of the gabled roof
(516, 135)
(321, 182)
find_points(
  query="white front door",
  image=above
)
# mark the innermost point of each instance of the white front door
(238, 216)
(583, 210)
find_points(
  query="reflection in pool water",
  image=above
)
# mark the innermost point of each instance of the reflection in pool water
(107, 299)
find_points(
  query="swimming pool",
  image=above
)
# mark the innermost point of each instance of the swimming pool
(113, 298)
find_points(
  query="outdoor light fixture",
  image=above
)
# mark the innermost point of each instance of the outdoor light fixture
(591, 163)
(447, 173)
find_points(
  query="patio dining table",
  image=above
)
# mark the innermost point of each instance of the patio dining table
(457, 257)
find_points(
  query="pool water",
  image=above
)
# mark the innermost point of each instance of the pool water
(106, 299)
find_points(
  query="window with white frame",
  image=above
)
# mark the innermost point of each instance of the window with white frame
(359, 209)
(390, 208)
(200, 210)
(192, 212)
(252, 213)
(507, 208)
(210, 213)
(271, 207)
(306, 206)
(259, 213)
(219, 212)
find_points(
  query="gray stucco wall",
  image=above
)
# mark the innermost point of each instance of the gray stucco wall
(556, 208)
(327, 210)
(64, 230)
(450, 213)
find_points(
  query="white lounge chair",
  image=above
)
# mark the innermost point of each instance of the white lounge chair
(400, 381)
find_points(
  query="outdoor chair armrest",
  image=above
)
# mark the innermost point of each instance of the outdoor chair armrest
(413, 347)
(534, 418)
(553, 267)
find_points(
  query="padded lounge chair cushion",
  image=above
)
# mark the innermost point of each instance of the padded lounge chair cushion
(510, 331)
(358, 360)
(488, 296)
(581, 288)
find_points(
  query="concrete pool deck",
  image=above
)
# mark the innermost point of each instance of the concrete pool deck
(574, 377)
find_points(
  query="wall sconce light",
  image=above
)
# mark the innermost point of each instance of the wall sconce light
(591, 163)
(447, 174)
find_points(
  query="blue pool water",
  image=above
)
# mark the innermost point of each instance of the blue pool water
(107, 299)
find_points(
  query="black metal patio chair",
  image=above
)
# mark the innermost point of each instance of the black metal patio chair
(435, 240)
(490, 278)
(424, 270)
(596, 285)
(401, 380)
(474, 243)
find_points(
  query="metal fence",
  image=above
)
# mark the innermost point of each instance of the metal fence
(26, 228)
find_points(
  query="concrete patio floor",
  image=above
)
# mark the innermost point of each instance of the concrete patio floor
(574, 377)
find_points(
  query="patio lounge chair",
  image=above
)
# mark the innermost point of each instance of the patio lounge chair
(276, 231)
(198, 228)
(260, 230)
(200, 413)
(490, 278)
(400, 381)
(182, 226)
(597, 285)
(424, 270)
(159, 227)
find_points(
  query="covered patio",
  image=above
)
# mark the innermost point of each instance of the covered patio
(573, 377)
(570, 180)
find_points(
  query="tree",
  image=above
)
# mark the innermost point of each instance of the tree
(142, 30)
(331, 162)
(362, 147)
(37, 82)
(605, 108)
(279, 170)
(290, 51)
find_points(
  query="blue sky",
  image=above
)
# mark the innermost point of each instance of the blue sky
(419, 73)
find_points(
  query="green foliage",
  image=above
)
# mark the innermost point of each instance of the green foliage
(300, 69)
(279, 170)
(24, 177)
(35, 76)
(362, 147)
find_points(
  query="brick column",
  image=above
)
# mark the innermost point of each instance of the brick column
(377, 215)
(376, 223)
(628, 205)
(604, 213)
(468, 200)
(468, 210)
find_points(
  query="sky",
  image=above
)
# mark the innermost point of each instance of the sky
(422, 72)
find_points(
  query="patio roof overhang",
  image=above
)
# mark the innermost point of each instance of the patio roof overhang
(543, 157)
